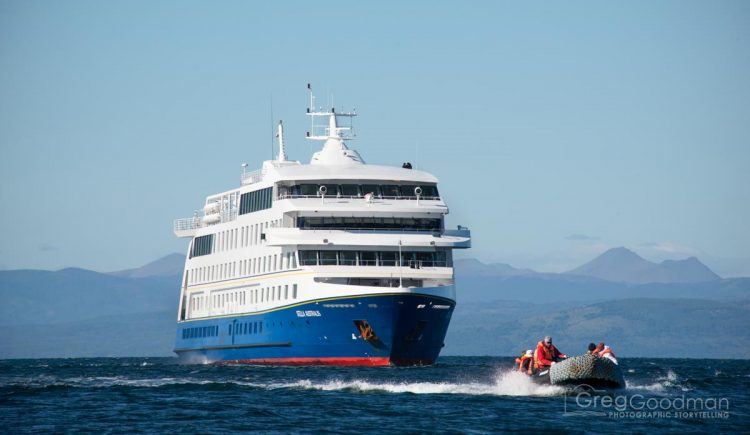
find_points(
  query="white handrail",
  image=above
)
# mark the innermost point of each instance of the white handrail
(251, 177)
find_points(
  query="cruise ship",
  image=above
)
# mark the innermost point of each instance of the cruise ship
(335, 262)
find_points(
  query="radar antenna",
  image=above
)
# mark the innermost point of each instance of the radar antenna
(328, 127)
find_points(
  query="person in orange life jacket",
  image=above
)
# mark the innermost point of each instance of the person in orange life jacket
(525, 362)
(606, 352)
(547, 354)
(599, 348)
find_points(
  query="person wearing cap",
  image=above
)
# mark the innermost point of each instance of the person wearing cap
(591, 348)
(546, 354)
(525, 362)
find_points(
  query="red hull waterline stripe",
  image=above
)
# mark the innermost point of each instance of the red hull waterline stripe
(331, 361)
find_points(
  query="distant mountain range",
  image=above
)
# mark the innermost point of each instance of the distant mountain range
(646, 327)
(688, 311)
(68, 295)
(624, 265)
(170, 265)
(616, 265)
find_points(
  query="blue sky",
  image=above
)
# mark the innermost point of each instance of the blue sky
(557, 129)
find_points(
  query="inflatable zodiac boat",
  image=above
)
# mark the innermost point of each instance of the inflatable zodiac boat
(590, 370)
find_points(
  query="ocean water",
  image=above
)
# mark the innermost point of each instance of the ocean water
(458, 395)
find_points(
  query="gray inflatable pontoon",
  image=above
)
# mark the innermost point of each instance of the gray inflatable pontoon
(591, 370)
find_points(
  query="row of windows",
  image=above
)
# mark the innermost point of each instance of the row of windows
(373, 282)
(200, 332)
(439, 258)
(256, 200)
(226, 301)
(202, 245)
(416, 224)
(237, 269)
(390, 191)
(232, 239)
(246, 328)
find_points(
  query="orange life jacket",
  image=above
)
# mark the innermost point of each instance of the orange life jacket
(522, 361)
(550, 353)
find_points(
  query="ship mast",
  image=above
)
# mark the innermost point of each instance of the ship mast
(280, 136)
(330, 129)
(335, 151)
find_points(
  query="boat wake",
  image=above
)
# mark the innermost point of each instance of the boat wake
(507, 383)
(510, 383)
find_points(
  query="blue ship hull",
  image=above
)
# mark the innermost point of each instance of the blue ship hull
(404, 329)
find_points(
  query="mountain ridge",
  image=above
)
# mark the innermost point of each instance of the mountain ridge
(168, 265)
(623, 265)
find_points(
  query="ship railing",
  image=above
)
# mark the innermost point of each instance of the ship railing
(374, 198)
(195, 222)
(412, 264)
(229, 215)
(251, 177)
(185, 224)
(377, 230)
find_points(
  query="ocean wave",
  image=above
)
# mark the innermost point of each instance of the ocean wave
(668, 381)
(110, 381)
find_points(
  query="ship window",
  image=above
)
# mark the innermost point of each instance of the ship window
(308, 258)
(286, 292)
(407, 191)
(202, 245)
(388, 258)
(348, 190)
(230, 329)
(294, 291)
(256, 200)
(327, 258)
(370, 223)
(429, 192)
(308, 189)
(348, 258)
(390, 190)
(371, 188)
(368, 258)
